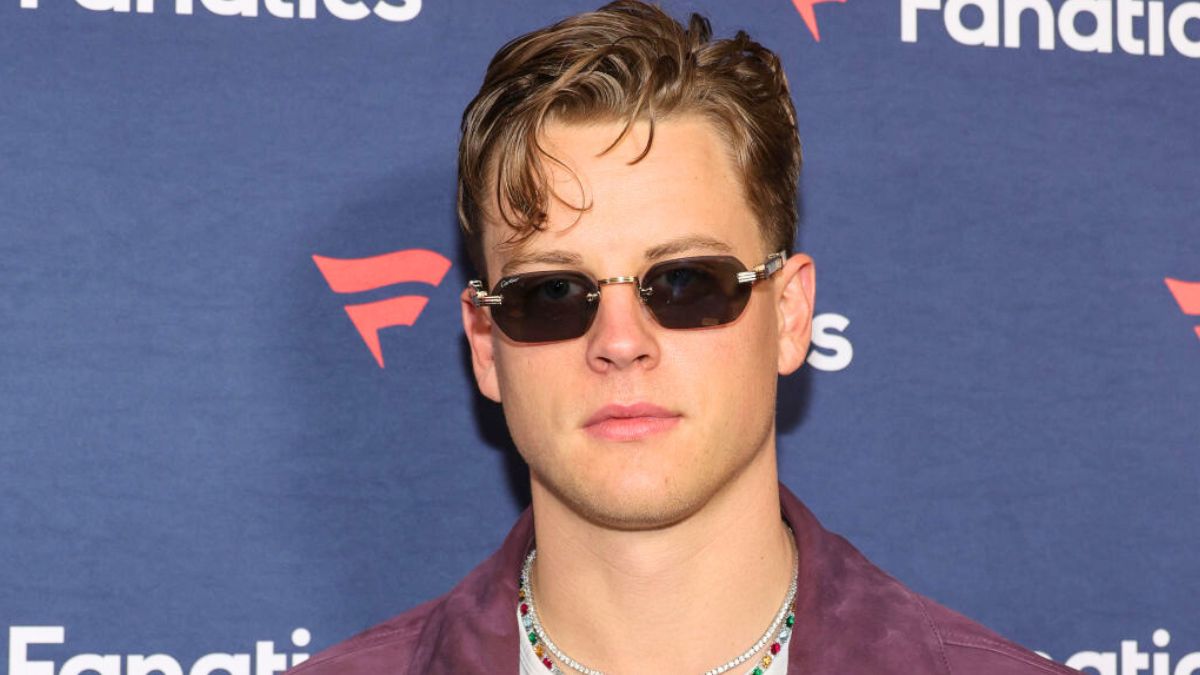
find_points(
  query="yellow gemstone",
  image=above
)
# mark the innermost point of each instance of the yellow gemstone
(766, 662)
(539, 650)
(521, 594)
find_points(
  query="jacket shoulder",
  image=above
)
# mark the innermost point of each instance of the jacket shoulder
(468, 630)
(972, 649)
(385, 648)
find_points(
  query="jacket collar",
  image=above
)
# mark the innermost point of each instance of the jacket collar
(850, 615)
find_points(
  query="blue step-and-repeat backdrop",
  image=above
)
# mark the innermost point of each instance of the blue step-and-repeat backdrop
(237, 420)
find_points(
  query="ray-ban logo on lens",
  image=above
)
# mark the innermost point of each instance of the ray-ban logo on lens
(1187, 294)
(805, 7)
(356, 275)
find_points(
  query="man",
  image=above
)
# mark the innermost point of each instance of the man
(627, 191)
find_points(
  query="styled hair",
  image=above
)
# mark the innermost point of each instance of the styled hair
(628, 61)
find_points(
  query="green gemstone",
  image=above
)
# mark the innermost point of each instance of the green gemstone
(757, 671)
(791, 620)
(532, 638)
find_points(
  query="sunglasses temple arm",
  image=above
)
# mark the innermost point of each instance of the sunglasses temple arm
(480, 296)
(772, 265)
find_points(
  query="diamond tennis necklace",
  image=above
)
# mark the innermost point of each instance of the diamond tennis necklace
(539, 639)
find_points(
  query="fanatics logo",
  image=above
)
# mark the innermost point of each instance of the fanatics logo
(1187, 294)
(364, 274)
(261, 659)
(405, 10)
(1137, 27)
(805, 7)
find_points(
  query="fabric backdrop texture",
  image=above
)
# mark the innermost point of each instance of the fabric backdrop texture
(237, 418)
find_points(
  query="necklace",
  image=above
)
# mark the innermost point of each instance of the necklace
(539, 639)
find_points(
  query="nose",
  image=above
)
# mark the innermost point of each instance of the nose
(623, 335)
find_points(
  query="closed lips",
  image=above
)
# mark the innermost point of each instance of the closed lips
(643, 410)
(621, 424)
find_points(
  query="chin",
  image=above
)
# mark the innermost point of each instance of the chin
(635, 502)
(637, 486)
(643, 514)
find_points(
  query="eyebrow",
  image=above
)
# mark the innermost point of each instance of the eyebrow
(541, 258)
(685, 244)
(674, 247)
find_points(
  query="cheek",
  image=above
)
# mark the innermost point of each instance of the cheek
(766, 332)
(533, 382)
(755, 339)
(750, 357)
(732, 367)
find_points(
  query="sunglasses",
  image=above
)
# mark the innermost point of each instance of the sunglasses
(682, 293)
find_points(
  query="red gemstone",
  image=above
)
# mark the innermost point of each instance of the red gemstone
(524, 608)
(775, 648)
(548, 663)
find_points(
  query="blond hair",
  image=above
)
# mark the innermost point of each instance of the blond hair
(628, 61)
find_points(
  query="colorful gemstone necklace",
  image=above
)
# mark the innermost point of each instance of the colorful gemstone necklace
(780, 628)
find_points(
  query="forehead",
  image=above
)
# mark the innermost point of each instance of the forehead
(683, 194)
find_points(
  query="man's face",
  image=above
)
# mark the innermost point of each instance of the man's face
(711, 392)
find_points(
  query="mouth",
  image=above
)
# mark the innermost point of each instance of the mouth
(630, 422)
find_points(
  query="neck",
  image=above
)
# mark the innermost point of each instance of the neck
(683, 598)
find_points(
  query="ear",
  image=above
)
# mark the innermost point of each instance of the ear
(797, 286)
(478, 326)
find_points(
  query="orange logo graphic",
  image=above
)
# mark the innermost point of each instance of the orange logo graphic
(805, 7)
(364, 274)
(1187, 294)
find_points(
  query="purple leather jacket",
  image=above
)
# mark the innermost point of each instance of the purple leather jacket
(851, 619)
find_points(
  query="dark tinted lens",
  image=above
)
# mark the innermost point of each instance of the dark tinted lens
(696, 292)
(544, 306)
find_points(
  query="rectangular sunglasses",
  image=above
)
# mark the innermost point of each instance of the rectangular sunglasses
(683, 293)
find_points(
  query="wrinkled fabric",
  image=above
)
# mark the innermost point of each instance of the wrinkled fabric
(851, 619)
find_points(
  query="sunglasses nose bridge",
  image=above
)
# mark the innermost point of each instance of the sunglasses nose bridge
(617, 280)
(643, 293)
